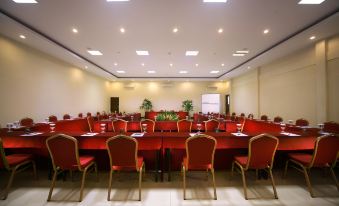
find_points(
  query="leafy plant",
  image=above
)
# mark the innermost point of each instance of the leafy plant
(146, 105)
(187, 105)
(167, 116)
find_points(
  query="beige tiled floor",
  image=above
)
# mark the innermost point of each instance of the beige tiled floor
(291, 191)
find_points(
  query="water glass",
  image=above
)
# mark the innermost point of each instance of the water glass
(321, 126)
(239, 127)
(9, 127)
(282, 126)
(52, 126)
(144, 127)
(103, 127)
(199, 127)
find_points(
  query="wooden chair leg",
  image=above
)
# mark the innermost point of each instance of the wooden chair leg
(334, 178)
(83, 183)
(140, 179)
(273, 183)
(308, 182)
(244, 182)
(34, 170)
(52, 185)
(96, 171)
(9, 183)
(232, 170)
(184, 181)
(214, 187)
(285, 170)
(110, 185)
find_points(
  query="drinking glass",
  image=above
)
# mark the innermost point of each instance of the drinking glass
(132, 118)
(238, 128)
(321, 126)
(186, 117)
(144, 127)
(282, 126)
(103, 127)
(52, 126)
(9, 126)
(199, 127)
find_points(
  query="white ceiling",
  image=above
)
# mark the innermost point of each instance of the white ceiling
(149, 24)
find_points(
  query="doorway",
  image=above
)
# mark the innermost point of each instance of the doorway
(227, 103)
(114, 104)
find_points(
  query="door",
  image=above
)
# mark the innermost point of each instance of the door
(115, 104)
(227, 103)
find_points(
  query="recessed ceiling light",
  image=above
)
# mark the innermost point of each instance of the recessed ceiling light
(151, 72)
(121, 71)
(143, 64)
(242, 52)
(266, 31)
(122, 30)
(248, 67)
(142, 53)
(238, 55)
(192, 53)
(86, 67)
(312, 37)
(196, 65)
(22, 36)
(214, 72)
(311, 1)
(222, 64)
(183, 72)
(25, 1)
(74, 30)
(215, 1)
(94, 52)
(220, 30)
(171, 65)
(175, 30)
(116, 0)
(115, 64)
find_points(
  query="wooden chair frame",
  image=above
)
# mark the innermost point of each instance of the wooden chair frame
(120, 120)
(211, 120)
(184, 169)
(145, 121)
(58, 170)
(184, 120)
(268, 169)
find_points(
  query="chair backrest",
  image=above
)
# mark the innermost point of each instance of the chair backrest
(301, 122)
(264, 117)
(90, 121)
(27, 122)
(63, 150)
(325, 152)
(150, 125)
(89, 114)
(242, 115)
(80, 115)
(250, 116)
(67, 116)
(278, 119)
(261, 151)
(184, 125)
(122, 151)
(332, 127)
(211, 125)
(119, 125)
(3, 160)
(200, 150)
(52, 118)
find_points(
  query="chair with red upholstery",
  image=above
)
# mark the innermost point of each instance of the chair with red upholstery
(250, 116)
(52, 118)
(324, 155)
(211, 125)
(242, 115)
(261, 151)
(80, 115)
(184, 125)
(26, 122)
(89, 114)
(123, 156)
(200, 151)
(301, 122)
(90, 121)
(150, 125)
(66, 116)
(119, 125)
(264, 117)
(332, 127)
(64, 153)
(278, 119)
(14, 163)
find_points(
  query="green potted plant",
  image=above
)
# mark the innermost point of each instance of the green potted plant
(146, 105)
(187, 106)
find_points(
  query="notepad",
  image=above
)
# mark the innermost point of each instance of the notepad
(290, 134)
(89, 134)
(240, 134)
(137, 134)
(193, 134)
(31, 134)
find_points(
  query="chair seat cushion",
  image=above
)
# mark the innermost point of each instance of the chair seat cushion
(195, 167)
(85, 161)
(242, 160)
(129, 167)
(304, 159)
(16, 159)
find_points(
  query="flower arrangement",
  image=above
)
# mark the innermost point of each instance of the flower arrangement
(167, 116)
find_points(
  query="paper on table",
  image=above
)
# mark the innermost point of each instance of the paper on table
(137, 134)
(31, 134)
(290, 134)
(193, 134)
(89, 134)
(240, 134)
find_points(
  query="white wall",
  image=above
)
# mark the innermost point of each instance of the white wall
(37, 85)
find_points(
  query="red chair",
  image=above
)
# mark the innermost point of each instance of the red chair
(242, 115)
(66, 116)
(301, 122)
(184, 125)
(278, 119)
(64, 153)
(211, 125)
(261, 151)
(26, 122)
(14, 163)
(52, 118)
(199, 156)
(250, 116)
(324, 155)
(331, 127)
(80, 115)
(150, 125)
(119, 125)
(89, 114)
(90, 121)
(123, 155)
(264, 117)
